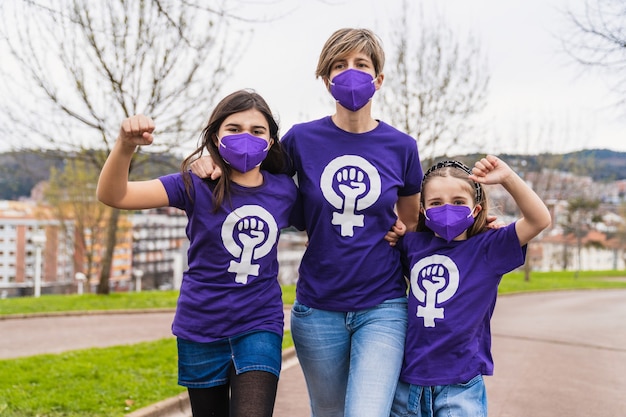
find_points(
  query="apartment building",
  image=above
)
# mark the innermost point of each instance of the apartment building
(33, 248)
(159, 246)
(37, 253)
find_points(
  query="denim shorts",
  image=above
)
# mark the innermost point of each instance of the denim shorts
(205, 365)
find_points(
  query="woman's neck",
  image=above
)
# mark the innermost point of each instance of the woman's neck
(252, 178)
(354, 122)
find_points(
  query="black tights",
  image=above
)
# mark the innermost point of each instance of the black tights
(250, 394)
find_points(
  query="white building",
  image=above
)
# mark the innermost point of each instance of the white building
(159, 247)
(31, 243)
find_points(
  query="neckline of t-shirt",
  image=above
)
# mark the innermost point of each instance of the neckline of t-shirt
(251, 188)
(329, 119)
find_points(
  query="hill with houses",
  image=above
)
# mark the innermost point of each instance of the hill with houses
(21, 171)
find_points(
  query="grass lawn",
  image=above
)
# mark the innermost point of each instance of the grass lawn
(117, 380)
(555, 281)
(88, 302)
(50, 304)
(92, 382)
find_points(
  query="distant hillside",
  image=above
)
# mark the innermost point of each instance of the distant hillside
(606, 165)
(600, 164)
(20, 171)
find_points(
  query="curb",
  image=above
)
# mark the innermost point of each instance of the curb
(174, 406)
(179, 406)
(20, 316)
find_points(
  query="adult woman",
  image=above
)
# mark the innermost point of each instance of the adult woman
(355, 175)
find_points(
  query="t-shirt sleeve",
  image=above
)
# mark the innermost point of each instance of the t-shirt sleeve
(414, 173)
(504, 250)
(288, 144)
(175, 189)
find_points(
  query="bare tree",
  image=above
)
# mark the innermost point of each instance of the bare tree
(581, 213)
(73, 69)
(597, 39)
(434, 84)
(72, 198)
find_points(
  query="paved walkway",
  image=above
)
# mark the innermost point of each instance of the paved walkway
(55, 334)
(556, 354)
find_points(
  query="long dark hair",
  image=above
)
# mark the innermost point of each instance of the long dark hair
(236, 102)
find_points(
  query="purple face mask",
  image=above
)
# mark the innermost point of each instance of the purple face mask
(352, 88)
(243, 151)
(449, 221)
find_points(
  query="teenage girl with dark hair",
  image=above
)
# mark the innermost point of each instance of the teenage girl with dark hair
(229, 318)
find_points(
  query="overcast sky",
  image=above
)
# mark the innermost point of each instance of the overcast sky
(535, 90)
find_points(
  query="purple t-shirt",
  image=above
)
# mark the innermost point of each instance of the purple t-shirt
(231, 285)
(349, 184)
(451, 300)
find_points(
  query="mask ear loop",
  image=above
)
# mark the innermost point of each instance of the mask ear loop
(458, 165)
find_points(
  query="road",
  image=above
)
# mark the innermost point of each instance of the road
(556, 353)
(559, 354)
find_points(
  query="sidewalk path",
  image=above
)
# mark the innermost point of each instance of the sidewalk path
(555, 353)
(54, 334)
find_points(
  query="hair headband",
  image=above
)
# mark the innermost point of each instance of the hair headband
(462, 167)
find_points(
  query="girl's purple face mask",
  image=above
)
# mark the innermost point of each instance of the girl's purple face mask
(243, 151)
(449, 221)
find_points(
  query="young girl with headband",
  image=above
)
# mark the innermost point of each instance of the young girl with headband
(455, 263)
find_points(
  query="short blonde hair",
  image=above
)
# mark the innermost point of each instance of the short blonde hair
(347, 40)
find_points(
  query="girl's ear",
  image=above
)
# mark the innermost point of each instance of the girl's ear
(477, 209)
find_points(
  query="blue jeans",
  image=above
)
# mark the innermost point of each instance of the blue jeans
(459, 400)
(351, 361)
